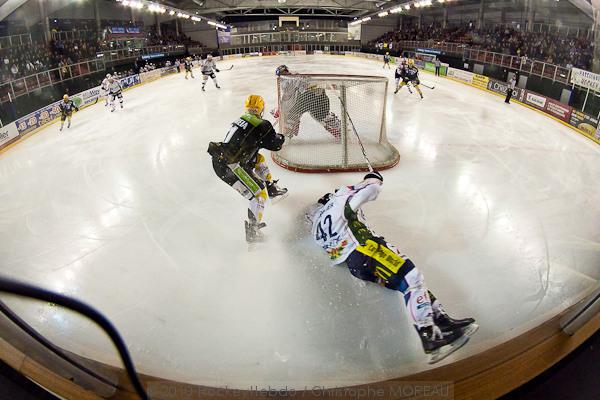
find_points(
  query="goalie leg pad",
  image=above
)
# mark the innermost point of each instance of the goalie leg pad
(333, 125)
(292, 127)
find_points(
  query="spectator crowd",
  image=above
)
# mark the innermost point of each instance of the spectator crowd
(548, 47)
(27, 59)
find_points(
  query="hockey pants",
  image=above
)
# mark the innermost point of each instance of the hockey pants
(245, 182)
(212, 75)
(382, 263)
(113, 97)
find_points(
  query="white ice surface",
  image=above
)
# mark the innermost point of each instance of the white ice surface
(497, 204)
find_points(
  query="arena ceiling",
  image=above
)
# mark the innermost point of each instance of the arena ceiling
(248, 8)
(350, 8)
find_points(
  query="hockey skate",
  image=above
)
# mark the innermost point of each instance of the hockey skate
(218, 87)
(203, 89)
(253, 233)
(448, 324)
(275, 192)
(439, 345)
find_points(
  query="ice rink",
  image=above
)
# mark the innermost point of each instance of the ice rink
(497, 204)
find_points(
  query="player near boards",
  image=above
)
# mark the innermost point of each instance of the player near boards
(410, 74)
(298, 97)
(66, 111)
(339, 227)
(512, 83)
(187, 63)
(188, 67)
(115, 91)
(104, 88)
(237, 161)
(207, 66)
(386, 60)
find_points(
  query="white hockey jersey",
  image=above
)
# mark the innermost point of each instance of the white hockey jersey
(207, 66)
(105, 84)
(114, 87)
(339, 226)
(290, 88)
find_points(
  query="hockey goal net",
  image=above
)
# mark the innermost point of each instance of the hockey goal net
(318, 115)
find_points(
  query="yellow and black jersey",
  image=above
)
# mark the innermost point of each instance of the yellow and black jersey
(66, 108)
(247, 135)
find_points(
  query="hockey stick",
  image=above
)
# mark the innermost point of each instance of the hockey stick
(428, 87)
(228, 69)
(362, 147)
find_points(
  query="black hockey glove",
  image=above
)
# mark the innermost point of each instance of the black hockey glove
(214, 149)
(279, 142)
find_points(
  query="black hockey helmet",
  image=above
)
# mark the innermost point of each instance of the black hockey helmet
(325, 199)
(282, 69)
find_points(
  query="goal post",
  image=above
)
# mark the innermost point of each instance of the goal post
(318, 114)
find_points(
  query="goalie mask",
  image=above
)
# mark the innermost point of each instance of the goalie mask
(282, 70)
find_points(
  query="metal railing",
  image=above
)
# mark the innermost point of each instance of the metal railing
(275, 47)
(22, 86)
(14, 40)
(566, 30)
(533, 67)
(129, 53)
(81, 34)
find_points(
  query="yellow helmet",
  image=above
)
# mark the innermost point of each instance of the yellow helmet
(411, 62)
(255, 104)
(66, 97)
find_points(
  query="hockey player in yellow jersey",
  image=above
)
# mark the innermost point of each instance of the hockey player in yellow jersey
(66, 111)
(188, 67)
(237, 161)
(412, 75)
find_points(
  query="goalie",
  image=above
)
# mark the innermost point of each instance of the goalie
(299, 97)
(339, 227)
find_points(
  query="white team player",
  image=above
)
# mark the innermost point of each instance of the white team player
(339, 227)
(115, 91)
(299, 96)
(104, 87)
(207, 66)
